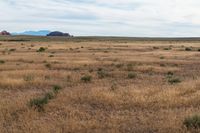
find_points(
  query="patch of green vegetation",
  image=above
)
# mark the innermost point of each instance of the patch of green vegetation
(192, 122)
(38, 103)
(162, 57)
(51, 55)
(48, 65)
(41, 49)
(102, 73)
(2, 61)
(86, 78)
(56, 88)
(131, 75)
(170, 73)
(174, 80)
(167, 48)
(119, 65)
(155, 47)
(13, 49)
(188, 49)
(162, 65)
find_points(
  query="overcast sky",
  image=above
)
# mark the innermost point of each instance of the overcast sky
(168, 18)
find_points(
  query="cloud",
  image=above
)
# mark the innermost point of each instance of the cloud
(103, 17)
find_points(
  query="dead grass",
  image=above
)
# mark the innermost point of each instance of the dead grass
(128, 91)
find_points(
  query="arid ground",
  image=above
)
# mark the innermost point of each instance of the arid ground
(98, 85)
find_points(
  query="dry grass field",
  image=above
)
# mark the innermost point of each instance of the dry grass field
(92, 85)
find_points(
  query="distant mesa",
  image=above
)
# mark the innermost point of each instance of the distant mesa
(58, 33)
(5, 33)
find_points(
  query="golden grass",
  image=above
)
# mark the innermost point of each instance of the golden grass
(115, 103)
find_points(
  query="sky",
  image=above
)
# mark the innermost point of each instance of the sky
(136, 18)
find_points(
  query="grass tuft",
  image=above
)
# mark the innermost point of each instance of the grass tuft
(41, 49)
(131, 75)
(192, 122)
(86, 78)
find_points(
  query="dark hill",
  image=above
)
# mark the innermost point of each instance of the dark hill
(4, 33)
(58, 33)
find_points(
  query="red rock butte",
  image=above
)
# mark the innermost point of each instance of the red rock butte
(4, 33)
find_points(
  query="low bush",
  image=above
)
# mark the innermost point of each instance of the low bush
(131, 75)
(2, 61)
(41, 49)
(167, 48)
(192, 122)
(13, 49)
(56, 88)
(48, 65)
(102, 73)
(155, 47)
(86, 78)
(162, 57)
(188, 49)
(38, 103)
(51, 55)
(174, 80)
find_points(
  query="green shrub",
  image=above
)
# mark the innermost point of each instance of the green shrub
(56, 88)
(48, 65)
(131, 75)
(170, 73)
(102, 73)
(51, 55)
(38, 103)
(167, 48)
(2, 61)
(41, 49)
(86, 78)
(188, 49)
(162, 65)
(162, 57)
(13, 49)
(192, 122)
(49, 95)
(155, 47)
(174, 80)
(119, 65)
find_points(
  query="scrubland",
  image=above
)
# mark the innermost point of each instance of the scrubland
(113, 86)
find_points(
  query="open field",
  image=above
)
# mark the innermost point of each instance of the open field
(98, 85)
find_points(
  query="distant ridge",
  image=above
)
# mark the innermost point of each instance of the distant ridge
(33, 33)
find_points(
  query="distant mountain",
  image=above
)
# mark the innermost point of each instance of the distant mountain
(58, 33)
(34, 33)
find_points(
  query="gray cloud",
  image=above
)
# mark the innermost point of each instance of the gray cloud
(103, 17)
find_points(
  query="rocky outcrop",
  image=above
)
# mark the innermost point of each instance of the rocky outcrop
(5, 33)
(58, 33)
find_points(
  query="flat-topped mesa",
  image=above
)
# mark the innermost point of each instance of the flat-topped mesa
(5, 33)
(58, 33)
